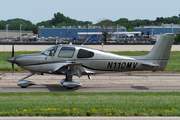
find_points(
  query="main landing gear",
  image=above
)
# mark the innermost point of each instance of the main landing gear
(69, 83)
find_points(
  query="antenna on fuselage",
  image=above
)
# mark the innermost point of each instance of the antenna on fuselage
(85, 41)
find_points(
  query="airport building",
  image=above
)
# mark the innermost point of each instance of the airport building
(81, 33)
(153, 30)
(72, 32)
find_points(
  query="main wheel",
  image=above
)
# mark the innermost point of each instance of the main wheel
(23, 86)
(69, 88)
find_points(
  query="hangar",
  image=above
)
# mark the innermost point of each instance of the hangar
(70, 32)
(153, 30)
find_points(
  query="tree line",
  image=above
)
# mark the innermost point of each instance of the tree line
(130, 24)
(60, 20)
(14, 24)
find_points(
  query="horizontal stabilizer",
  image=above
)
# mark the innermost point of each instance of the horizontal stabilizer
(151, 64)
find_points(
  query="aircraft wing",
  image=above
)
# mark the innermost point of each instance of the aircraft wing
(71, 68)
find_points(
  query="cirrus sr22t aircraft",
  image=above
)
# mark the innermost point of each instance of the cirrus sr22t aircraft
(77, 60)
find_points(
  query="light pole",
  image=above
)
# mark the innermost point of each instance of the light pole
(20, 32)
(117, 31)
(88, 29)
(152, 30)
(7, 31)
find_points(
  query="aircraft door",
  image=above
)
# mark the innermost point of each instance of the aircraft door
(66, 54)
(44, 63)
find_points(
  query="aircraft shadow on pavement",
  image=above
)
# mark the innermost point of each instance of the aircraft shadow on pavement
(140, 87)
(59, 88)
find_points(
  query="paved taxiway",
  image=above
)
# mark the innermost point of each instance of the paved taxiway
(114, 82)
(110, 88)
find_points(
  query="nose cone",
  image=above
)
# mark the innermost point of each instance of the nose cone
(10, 59)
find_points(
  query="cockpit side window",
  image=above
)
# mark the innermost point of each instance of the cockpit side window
(66, 52)
(50, 51)
(85, 54)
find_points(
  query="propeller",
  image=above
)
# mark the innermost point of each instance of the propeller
(12, 68)
(13, 49)
(13, 56)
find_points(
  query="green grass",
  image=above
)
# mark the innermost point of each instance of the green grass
(90, 104)
(173, 63)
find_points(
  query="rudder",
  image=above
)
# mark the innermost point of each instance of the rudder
(162, 48)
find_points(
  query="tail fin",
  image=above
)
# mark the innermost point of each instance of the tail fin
(162, 48)
(159, 55)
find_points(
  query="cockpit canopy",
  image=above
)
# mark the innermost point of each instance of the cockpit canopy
(50, 51)
(68, 52)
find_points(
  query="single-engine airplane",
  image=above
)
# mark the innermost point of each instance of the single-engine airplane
(69, 60)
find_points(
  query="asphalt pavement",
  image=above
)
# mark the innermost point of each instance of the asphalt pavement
(111, 82)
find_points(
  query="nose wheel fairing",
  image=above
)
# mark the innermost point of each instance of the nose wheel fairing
(25, 83)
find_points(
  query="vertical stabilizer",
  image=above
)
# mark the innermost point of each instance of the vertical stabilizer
(162, 48)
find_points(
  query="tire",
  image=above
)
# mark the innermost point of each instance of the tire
(23, 86)
(69, 88)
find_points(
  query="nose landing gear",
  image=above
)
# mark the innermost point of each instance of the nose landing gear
(24, 83)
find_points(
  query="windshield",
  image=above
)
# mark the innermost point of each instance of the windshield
(50, 51)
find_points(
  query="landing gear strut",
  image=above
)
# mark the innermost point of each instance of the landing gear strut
(69, 83)
(24, 83)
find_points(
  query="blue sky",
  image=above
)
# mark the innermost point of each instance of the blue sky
(88, 10)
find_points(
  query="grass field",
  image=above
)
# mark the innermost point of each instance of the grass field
(173, 63)
(90, 104)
